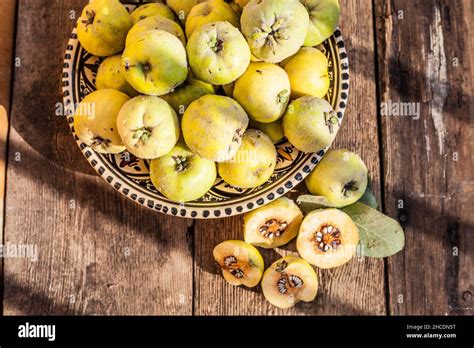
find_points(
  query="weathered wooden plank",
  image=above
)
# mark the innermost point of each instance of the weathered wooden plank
(98, 253)
(425, 57)
(356, 288)
(7, 31)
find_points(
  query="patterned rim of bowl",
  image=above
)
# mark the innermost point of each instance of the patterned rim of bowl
(129, 175)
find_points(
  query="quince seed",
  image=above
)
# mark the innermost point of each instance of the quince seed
(295, 281)
(281, 285)
(230, 260)
(237, 273)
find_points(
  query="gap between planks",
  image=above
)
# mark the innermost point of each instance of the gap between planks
(378, 100)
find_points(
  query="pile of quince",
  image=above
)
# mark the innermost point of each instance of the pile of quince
(206, 88)
(325, 238)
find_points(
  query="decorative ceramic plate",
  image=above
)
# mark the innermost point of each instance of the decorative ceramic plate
(130, 175)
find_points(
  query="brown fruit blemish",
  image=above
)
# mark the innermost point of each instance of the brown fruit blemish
(90, 18)
(145, 68)
(99, 141)
(238, 135)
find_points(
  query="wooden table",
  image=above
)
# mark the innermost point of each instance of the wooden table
(102, 254)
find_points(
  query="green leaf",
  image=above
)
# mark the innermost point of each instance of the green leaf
(380, 236)
(308, 203)
(368, 198)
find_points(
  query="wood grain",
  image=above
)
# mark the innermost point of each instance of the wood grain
(354, 289)
(99, 253)
(7, 33)
(425, 56)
